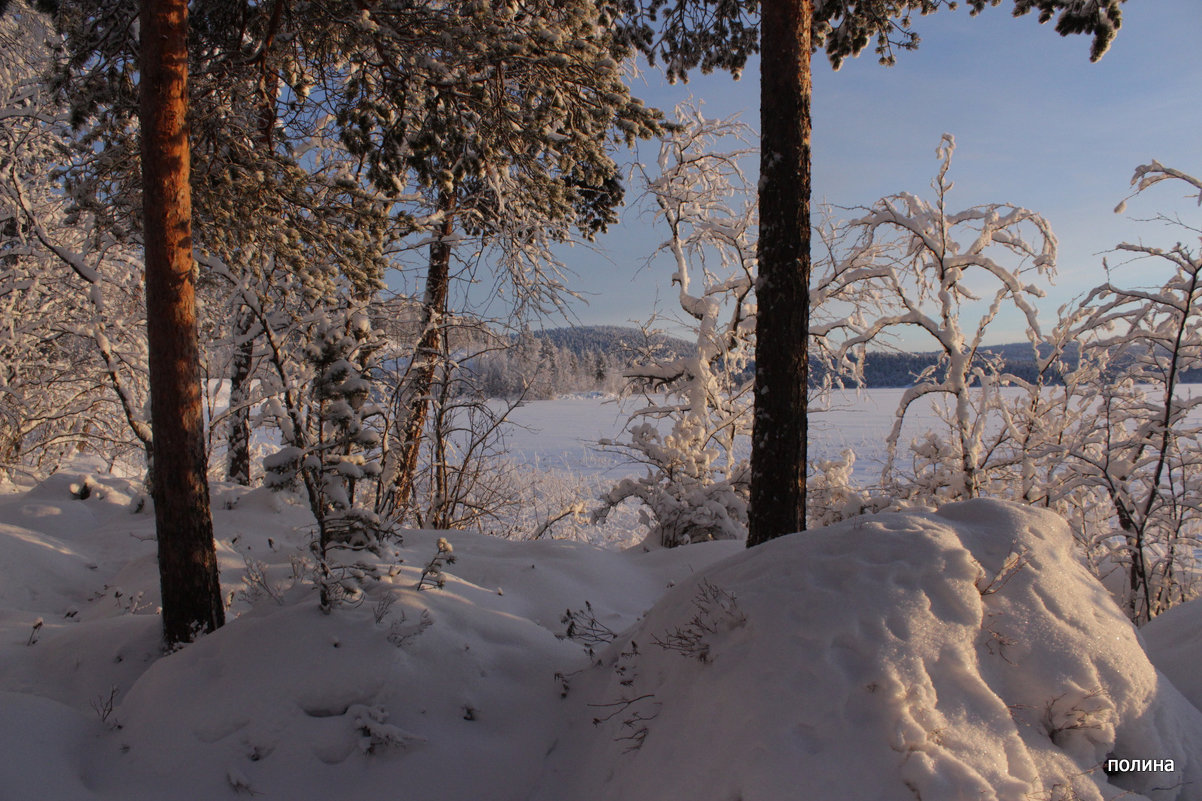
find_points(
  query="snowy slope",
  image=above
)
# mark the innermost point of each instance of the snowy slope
(848, 663)
(864, 661)
(1174, 642)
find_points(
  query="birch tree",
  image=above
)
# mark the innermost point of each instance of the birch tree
(696, 484)
(1138, 440)
(925, 262)
(72, 347)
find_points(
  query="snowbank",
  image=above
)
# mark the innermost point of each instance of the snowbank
(963, 654)
(1174, 643)
(956, 655)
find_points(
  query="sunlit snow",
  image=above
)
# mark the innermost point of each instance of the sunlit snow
(950, 655)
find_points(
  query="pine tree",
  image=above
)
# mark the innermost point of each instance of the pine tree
(262, 167)
(779, 431)
(187, 555)
(504, 118)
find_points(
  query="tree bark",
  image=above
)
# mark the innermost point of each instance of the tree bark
(778, 445)
(187, 555)
(425, 356)
(238, 431)
(238, 427)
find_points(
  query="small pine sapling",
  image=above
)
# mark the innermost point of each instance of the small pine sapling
(329, 443)
(376, 733)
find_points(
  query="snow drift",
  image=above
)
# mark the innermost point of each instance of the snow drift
(963, 654)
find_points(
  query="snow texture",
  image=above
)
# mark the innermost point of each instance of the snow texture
(963, 654)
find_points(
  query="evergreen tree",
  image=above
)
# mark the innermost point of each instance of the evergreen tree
(329, 442)
(272, 187)
(503, 117)
(187, 555)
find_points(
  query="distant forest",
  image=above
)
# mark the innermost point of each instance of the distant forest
(547, 363)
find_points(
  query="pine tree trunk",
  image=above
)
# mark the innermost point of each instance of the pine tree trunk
(425, 356)
(238, 427)
(187, 555)
(238, 432)
(778, 444)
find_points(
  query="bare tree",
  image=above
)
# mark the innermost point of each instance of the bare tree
(696, 485)
(1139, 445)
(924, 263)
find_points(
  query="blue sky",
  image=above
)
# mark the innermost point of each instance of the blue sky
(1035, 122)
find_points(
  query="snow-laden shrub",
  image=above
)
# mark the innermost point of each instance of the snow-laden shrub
(685, 496)
(1135, 440)
(832, 496)
(697, 483)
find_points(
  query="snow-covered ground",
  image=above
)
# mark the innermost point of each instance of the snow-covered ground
(962, 654)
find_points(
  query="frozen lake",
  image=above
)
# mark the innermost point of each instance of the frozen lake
(562, 434)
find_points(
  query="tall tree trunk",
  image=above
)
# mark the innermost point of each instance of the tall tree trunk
(187, 555)
(238, 431)
(778, 443)
(416, 395)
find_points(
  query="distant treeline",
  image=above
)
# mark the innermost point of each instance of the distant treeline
(555, 361)
(890, 369)
(895, 369)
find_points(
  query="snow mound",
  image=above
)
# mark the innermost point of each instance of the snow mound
(1174, 644)
(941, 656)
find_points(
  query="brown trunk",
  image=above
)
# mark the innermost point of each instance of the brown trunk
(238, 439)
(778, 444)
(238, 431)
(425, 356)
(187, 556)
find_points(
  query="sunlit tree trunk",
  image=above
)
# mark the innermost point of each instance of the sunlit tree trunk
(187, 556)
(778, 449)
(426, 356)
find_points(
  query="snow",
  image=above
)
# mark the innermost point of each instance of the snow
(867, 663)
(964, 653)
(1174, 641)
